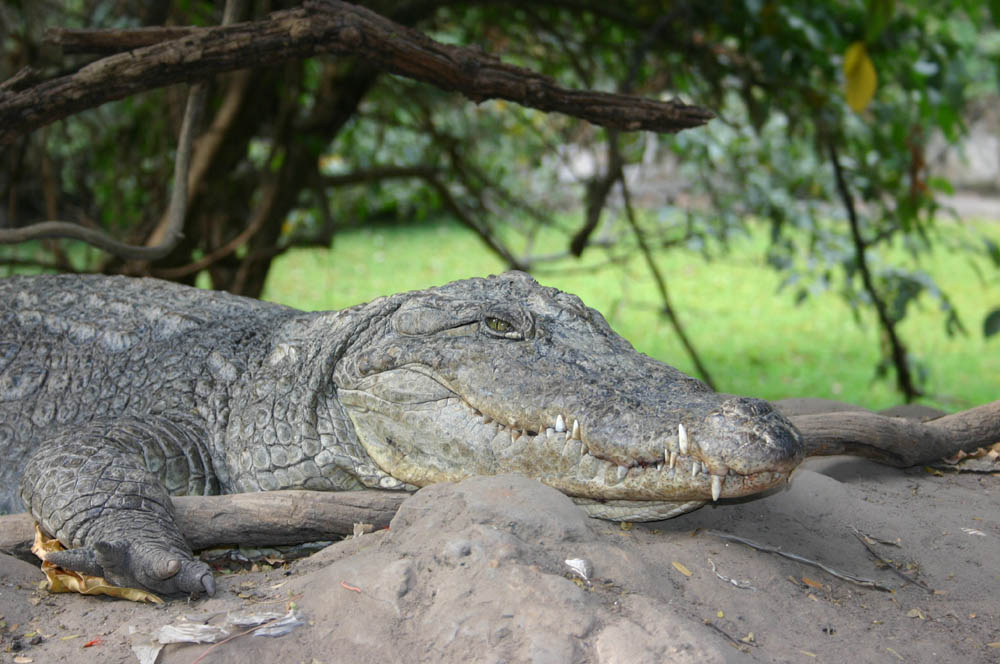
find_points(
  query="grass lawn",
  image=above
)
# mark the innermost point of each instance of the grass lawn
(754, 341)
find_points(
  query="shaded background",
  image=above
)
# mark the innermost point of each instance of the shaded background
(324, 182)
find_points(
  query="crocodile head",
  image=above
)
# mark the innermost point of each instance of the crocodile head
(498, 375)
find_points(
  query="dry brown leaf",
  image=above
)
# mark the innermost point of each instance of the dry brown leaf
(813, 584)
(59, 580)
(681, 568)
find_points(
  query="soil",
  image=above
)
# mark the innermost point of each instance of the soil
(475, 572)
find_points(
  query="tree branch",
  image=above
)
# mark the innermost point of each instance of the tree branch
(254, 519)
(331, 27)
(898, 350)
(661, 283)
(175, 213)
(896, 441)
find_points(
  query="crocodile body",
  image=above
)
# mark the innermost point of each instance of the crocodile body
(116, 393)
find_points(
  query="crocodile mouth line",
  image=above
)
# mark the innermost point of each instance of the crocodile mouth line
(679, 461)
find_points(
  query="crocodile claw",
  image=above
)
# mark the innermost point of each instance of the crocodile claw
(139, 565)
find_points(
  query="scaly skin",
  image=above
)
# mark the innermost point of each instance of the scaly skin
(116, 392)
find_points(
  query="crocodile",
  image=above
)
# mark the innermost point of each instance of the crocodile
(117, 392)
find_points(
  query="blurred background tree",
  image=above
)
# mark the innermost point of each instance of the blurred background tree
(829, 115)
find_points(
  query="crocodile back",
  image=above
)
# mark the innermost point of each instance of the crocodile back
(74, 348)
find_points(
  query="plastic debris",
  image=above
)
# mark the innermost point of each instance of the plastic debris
(581, 567)
(191, 633)
(271, 623)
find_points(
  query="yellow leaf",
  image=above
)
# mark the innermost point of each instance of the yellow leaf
(61, 580)
(680, 568)
(859, 76)
(720, 614)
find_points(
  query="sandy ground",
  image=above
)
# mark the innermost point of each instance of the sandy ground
(475, 572)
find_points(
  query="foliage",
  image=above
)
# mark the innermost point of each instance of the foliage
(826, 111)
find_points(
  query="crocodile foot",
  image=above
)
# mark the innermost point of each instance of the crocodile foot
(140, 565)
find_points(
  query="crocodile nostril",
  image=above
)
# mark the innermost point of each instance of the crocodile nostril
(747, 407)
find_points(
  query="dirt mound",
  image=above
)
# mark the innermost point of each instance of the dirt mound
(476, 571)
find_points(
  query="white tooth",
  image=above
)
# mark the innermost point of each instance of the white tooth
(682, 438)
(514, 435)
(576, 430)
(549, 431)
(673, 460)
(572, 450)
(695, 469)
(659, 466)
(560, 424)
(622, 472)
(716, 487)
(586, 450)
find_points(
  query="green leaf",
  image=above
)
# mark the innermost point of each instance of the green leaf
(992, 250)
(879, 15)
(991, 324)
(938, 183)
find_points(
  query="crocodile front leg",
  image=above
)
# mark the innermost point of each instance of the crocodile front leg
(101, 491)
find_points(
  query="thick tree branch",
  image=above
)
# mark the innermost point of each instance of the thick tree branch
(896, 441)
(331, 27)
(254, 519)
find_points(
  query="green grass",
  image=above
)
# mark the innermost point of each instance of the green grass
(753, 340)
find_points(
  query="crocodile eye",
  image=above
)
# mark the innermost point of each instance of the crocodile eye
(501, 328)
(499, 325)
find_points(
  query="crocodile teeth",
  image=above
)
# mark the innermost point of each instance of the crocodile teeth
(514, 435)
(572, 450)
(622, 472)
(576, 430)
(673, 460)
(682, 438)
(716, 487)
(549, 431)
(695, 469)
(560, 424)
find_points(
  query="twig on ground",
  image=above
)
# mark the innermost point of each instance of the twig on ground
(868, 583)
(739, 584)
(863, 538)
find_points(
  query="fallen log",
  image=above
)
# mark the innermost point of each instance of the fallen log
(252, 519)
(898, 441)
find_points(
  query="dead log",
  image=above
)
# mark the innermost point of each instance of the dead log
(896, 441)
(253, 519)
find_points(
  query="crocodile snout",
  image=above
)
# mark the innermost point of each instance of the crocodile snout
(750, 436)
